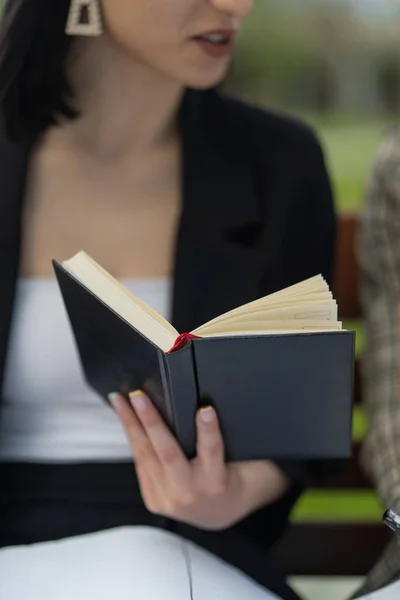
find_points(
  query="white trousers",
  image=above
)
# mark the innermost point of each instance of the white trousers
(128, 563)
(391, 592)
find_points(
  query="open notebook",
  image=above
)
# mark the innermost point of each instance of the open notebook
(306, 306)
(280, 363)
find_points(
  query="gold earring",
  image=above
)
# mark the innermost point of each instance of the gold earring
(77, 25)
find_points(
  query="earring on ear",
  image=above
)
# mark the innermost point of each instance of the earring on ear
(84, 18)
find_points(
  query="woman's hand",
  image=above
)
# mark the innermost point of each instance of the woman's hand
(205, 492)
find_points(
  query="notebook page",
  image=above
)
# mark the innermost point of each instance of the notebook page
(122, 302)
(391, 592)
(306, 287)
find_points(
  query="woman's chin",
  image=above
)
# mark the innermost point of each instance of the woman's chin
(206, 82)
(200, 76)
(205, 86)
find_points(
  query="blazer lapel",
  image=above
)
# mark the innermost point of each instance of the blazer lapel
(13, 159)
(218, 266)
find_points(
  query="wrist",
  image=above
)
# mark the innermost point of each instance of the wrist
(268, 484)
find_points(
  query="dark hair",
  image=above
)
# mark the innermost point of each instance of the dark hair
(34, 90)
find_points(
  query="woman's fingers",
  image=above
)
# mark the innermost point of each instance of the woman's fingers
(176, 466)
(147, 465)
(211, 451)
(142, 449)
(170, 483)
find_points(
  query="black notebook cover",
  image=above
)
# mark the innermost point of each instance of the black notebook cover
(282, 396)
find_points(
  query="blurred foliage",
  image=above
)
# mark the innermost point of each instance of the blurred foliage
(271, 50)
(302, 54)
(336, 69)
(350, 143)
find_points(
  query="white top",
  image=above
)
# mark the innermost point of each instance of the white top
(48, 412)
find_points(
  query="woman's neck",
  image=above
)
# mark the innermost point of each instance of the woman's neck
(124, 106)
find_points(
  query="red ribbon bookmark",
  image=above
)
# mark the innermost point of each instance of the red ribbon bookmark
(182, 341)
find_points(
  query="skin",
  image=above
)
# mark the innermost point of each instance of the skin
(127, 85)
(205, 492)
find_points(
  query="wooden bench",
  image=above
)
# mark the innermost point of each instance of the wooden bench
(329, 547)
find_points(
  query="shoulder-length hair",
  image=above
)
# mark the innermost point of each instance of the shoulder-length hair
(34, 90)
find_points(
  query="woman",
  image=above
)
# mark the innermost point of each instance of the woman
(115, 140)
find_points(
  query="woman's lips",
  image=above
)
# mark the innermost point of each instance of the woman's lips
(217, 44)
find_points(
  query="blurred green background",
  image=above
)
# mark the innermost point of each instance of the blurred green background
(335, 64)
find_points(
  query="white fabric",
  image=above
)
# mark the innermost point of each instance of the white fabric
(390, 592)
(49, 413)
(128, 563)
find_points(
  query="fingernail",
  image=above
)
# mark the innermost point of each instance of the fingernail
(207, 414)
(139, 400)
(115, 400)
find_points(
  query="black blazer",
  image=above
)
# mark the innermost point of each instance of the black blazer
(257, 216)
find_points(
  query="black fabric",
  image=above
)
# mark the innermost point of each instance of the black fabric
(41, 503)
(257, 216)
